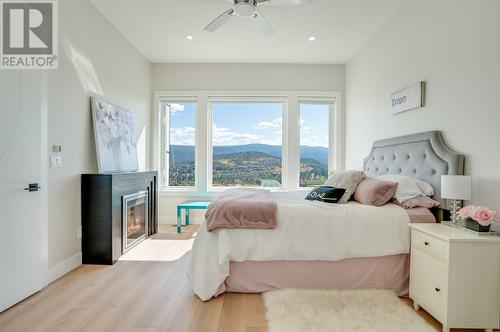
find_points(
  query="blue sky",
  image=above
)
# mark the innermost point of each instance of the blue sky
(246, 123)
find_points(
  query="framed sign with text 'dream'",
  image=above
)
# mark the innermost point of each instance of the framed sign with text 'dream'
(408, 98)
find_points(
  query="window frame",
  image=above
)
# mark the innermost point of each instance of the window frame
(290, 140)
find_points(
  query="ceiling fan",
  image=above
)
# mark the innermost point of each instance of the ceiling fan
(248, 9)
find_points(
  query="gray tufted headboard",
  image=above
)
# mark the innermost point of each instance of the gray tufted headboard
(424, 156)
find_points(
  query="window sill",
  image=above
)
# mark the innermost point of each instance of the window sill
(182, 192)
(221, 189)
(191, 192)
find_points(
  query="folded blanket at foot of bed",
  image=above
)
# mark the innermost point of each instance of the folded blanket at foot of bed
(242, 208)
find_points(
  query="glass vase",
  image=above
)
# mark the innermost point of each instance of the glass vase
(475, 226)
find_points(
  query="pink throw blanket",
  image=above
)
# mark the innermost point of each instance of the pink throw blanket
(242, 208)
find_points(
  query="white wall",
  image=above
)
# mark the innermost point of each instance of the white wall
(94, 58)
(454, 46)
(248, 77)
(239, 77)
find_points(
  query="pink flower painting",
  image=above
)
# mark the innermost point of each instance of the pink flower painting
(115, 135)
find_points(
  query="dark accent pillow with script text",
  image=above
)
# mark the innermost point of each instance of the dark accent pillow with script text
(327, 194)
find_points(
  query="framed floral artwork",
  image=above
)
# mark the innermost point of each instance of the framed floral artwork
(114, 131)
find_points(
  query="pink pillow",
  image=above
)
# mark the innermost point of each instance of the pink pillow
(423, 201)
(375, 192)
(420, 215)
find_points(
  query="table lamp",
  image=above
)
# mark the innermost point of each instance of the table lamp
(456, 188)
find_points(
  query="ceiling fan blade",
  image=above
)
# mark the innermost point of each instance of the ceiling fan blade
(220, 21)
(285, 2)
(264, 25)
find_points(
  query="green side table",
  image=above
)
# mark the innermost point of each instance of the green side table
(186, 206)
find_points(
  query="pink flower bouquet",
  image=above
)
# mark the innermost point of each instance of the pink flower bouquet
(484, 216)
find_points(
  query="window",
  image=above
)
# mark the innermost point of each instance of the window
(314, 143)
(211, 140)
(178, 143)
(247, 147)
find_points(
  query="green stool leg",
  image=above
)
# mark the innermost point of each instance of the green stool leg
(179, 219)
(187, 217)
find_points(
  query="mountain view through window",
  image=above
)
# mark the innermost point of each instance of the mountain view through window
(314, 120)
(247, 144)
(180, 117)
(247, 147)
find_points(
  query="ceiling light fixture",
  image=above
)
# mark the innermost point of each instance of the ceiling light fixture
(189, 37)
(311, 38)
(245, 9)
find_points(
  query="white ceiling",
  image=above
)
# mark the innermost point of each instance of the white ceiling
(158, 29)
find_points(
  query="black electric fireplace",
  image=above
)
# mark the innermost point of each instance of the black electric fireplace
(134, 219)
(119, 210)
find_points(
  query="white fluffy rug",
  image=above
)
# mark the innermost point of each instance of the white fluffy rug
(340, 311)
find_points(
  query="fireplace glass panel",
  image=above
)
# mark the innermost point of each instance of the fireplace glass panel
(135, 219)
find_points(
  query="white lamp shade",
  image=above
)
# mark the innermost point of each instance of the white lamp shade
(456, 187)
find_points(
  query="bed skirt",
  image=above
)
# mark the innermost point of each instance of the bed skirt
(387, 272)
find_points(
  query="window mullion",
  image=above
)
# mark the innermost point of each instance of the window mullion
(292, 148)
(202, 147)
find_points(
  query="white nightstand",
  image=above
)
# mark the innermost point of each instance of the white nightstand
(455, 276)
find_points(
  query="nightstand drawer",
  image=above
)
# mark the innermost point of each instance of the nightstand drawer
(429, 283)
(429, 244)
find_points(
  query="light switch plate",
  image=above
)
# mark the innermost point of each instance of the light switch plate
(55, 161)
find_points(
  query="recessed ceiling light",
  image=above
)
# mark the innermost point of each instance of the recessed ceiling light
(189, 37)
(311, 38)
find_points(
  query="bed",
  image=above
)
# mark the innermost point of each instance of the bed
(321, 245)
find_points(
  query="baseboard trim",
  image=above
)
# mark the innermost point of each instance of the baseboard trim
(168, 220)
(63, 268)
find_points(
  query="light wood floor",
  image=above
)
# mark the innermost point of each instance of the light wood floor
(146, 291)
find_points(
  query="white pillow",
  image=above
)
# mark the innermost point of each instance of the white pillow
(408, 187)
(347, 180)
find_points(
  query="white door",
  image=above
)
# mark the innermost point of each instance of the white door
(22, 147)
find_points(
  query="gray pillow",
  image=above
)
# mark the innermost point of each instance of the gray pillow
(348, 180)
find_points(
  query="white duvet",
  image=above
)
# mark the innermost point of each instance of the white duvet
(306, 231)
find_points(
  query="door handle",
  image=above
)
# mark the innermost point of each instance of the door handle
(33, 187)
